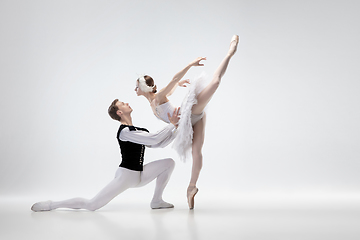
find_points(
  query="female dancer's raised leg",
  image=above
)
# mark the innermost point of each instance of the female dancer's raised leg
(206, 94)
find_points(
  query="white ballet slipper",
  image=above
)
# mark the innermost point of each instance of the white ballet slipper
(160, 205)
(41, 206)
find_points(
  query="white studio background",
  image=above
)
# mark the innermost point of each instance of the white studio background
(285, 118)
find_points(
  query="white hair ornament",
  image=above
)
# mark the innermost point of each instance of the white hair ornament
(143, 86)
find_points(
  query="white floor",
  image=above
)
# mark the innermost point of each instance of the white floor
(246, 218)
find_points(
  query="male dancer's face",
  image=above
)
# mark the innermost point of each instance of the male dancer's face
(124, 107)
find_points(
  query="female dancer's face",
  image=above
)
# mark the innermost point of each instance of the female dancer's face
(138, 90)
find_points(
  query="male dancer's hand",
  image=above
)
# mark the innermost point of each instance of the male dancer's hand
(174, 119)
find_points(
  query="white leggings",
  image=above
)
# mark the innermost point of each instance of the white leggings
(124, 179)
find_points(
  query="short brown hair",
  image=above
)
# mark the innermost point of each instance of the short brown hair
(113, 109)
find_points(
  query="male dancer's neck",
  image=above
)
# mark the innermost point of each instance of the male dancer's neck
(126, 120)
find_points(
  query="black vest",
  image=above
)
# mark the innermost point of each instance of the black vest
(132, 154)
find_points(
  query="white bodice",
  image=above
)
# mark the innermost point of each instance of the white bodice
(161, 111)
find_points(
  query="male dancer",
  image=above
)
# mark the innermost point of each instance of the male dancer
(131, 172)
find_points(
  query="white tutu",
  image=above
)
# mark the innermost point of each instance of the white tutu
(183, 141)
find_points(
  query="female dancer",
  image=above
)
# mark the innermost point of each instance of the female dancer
(131, 172)
(192, 123)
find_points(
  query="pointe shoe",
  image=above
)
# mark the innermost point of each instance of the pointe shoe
(233, 45)
(41, 206)
(190, 197)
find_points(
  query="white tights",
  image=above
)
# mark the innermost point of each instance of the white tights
(124, 179)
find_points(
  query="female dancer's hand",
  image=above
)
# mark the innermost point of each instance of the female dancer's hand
(196, 62)
(174, 119)
(182, 83)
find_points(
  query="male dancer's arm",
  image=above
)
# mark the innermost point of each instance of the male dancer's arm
(161, 138)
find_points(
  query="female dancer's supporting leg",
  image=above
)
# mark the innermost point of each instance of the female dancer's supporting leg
(203, 99)
(197, 144)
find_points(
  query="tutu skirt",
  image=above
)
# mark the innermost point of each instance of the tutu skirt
(183, 141)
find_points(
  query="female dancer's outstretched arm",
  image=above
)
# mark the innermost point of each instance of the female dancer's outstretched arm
(174, 82)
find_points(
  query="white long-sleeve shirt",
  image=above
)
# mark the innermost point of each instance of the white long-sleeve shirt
(159, 139)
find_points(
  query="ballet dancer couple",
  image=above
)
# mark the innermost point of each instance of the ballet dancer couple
(186, 131)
